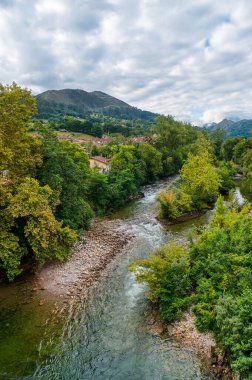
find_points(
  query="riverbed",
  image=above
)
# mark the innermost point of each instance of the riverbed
(101, 334)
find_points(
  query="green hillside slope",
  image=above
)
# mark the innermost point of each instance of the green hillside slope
(81, 103)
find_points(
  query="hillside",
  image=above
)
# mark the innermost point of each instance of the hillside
(232, 128)
(81, 103)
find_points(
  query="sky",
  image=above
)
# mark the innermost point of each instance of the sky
(191, 59)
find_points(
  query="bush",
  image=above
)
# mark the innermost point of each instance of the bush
(174, 203)
(226, 175)
(167, 273)
(200, 178)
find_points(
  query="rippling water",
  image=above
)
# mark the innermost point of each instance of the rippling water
(104, 335)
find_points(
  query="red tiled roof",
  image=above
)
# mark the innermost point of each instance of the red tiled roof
(102, 140)
(137, 138)
(102, 159)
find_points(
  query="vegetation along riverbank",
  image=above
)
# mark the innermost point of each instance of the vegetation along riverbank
(213, 276)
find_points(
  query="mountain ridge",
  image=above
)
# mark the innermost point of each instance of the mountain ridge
(232, 128)
(78, 102)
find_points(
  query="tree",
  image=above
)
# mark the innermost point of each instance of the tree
(226, 176)
(122, 186)
(228, 147)
(99, 192)
(174, 203)
(217, 137)
(200, 178)
(233, 330)
(173, 139)
(167, 273)
(151, 160)
(66, 169)
(221, 273)
(29, 227)
(124, 159)
(19, 151)
(241, 149)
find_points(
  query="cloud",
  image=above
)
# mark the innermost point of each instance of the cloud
(191, 59)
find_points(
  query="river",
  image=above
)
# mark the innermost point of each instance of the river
(102, 336)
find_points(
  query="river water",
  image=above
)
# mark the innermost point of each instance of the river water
(102, 336)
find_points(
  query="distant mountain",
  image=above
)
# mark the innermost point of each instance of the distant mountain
(80, 103)
(232, 128)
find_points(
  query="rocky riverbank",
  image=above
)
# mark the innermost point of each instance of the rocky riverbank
(89, 257)
(184, 218)
(185, 332)
(214, 358)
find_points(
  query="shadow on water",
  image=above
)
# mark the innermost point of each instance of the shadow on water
(102, 336)
(25, 320)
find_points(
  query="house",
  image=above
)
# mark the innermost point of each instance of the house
(101, 141)
(138, 139)
(100, 162)
(4, 177)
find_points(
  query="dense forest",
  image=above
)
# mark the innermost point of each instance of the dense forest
(95, 124)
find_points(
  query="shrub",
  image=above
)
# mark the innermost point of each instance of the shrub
(174, 203)
(167, 273)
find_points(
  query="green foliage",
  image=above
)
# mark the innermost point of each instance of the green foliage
(30, 227)
(217, 137)
(238, 151)
(233, 326)
(91, 105)
(226, 175)
(227, 148)
(200, 178)
(199, 185)
(201, 145)
(10, 253)
(19, 151)
(131, 166)
(221, 271)
(174, 203)
(27, 210)
(151, 160)
(173, 139)
(124, 158)
(99, 192)
(66, 169)
(122, 185)
(241, 150)
(167, 274)
(218, 267)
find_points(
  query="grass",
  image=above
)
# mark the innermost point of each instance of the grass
(76, 135)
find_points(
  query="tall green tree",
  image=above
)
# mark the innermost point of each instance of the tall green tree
(28, 227)
(173, 139)
(200, 178)
(19, 151)
(167, 273)
(99, 192)
(151, 160)
(66, 169)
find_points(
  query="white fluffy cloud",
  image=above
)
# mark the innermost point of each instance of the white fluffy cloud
(191, 59)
